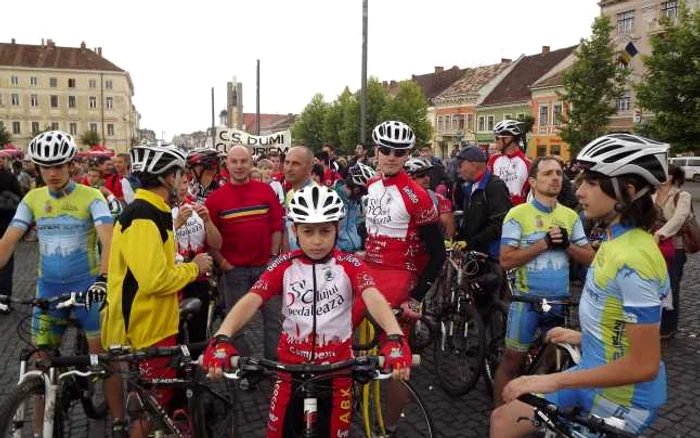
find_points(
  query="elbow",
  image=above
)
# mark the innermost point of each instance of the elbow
(506, 262)
(649, 371)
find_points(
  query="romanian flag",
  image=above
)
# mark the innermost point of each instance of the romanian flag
(629, 52)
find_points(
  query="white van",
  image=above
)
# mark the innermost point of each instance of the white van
(690, 165)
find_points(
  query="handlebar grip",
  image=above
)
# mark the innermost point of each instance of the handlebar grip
(415, 360)
(235, 362)
(70, 361)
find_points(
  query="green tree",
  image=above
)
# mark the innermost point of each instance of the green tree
(308, 129)
(671, 87)
(593, 84)
(5, 136)
(377, 98)
(409, 106)
(90, 138)
(333, 126)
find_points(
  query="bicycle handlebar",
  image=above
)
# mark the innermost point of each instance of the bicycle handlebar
(73, 299)
(592, 422)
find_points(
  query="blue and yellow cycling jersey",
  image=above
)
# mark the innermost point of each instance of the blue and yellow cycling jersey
(625, 285)
(65, 225)
(547, 275)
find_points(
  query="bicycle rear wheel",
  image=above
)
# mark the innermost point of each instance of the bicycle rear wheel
(496, 322)
(459, 349)
(18, 416)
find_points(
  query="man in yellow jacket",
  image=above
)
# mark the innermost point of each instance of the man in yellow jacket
(142, 302)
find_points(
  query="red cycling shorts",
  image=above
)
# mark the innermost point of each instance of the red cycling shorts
(158, 368)
(395, 284)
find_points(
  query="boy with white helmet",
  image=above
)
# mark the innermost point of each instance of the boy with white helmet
(511, 165)
(317, 284)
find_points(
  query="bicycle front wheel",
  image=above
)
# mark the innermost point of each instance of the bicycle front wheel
(18, 415)
(459, 349)
(92, 395)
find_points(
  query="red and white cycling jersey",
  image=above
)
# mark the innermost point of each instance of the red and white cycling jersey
(513, 170)
(337, 279)
(396, 208)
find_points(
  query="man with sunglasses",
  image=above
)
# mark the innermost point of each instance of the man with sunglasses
(511, 165)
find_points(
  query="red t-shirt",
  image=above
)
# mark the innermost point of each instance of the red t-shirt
(246, 216)
(113, 183)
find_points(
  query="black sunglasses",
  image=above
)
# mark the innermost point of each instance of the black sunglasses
(397, 152)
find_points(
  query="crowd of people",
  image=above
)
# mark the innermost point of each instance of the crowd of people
(314, 241)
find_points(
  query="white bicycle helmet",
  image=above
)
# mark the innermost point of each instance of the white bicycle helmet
(616, 155)
(360, 174)
(394, 135)
(52, 148)
(417, 165)
(157, 159)
(316, 205)
(508, 127)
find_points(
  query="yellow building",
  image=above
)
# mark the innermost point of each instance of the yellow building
(71, 89)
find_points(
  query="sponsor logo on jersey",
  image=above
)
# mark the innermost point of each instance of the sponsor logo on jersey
(411, 195)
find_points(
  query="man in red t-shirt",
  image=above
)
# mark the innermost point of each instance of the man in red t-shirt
(511, 165)
(113, 182)
(248, 215)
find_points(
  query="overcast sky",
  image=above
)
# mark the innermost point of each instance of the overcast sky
(176, 51)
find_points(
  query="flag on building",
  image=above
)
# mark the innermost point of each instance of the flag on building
(629, 52)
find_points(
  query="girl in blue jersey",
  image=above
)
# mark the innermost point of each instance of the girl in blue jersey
(620, 374)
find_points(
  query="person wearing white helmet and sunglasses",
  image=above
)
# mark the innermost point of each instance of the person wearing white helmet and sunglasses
(316, 276)
(70, 218)
(511, 165)
(620, 374)
(144, 281)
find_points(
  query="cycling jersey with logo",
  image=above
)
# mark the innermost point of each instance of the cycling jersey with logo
(66, 228)
(200, 193)
(625, 285)
(333, 282)
(547, 275)
(513, 170)
(396, 209)
(191, 236)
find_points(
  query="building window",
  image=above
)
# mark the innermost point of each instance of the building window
(15, 99)
(15, 80)
(625, 23)
(16, 128)
(459, 120)
(53, 82)
(92, 102)
(33, 81)
(544, 115)
(110, 129)
(34, 100)
(73, 128)
(54, 101)
(556, 114)
(624, 103)
(71, 83)
(482, 125)
(93, 127)
(92, 83)
(555, 149)
(521, 117)
(490, 122)
(108, 85)
(508, 117)
(35, 128)
(109, 103)
(54, 126)
(71, 101)
(541, 150)
(470, 122)
(669, 9)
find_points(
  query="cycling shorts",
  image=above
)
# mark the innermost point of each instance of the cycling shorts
(523, 322)
(48, 327)
(636, 419)
(395, 284)
(159, 368)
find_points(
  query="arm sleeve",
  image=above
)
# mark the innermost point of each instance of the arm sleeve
(498, 205)
(23, 216)
(434, 243)
(275, 217)
(128, 191)
(641, 297)
(360, 278)
(143, 250)
(578, 235)
(680, 215)
(213, 212)
(100, 212)
(270, 282)
(512, 232)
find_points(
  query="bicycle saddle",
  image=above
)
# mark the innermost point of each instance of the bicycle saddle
(190, 307)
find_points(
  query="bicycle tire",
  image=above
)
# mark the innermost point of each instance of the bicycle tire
(495, 332)
(458, 377)
(210, 417)
(22, 396)
(95, 409)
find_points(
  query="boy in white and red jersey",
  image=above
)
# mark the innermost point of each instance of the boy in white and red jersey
(317, 284)
(511, 165)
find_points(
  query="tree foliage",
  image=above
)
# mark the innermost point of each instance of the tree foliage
(90, 138)
(5, 136)
(593, 84)
(671, 87)
(308, 129)
(410, 107)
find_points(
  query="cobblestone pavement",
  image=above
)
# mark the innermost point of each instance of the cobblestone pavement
(454, 417)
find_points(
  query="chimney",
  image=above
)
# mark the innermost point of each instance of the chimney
(42, 42)
(505, 60)
(545, 50)
(82, 45)
(13, 41)
(439, 69)
(50, 43)
(392, 84)
(99, 51)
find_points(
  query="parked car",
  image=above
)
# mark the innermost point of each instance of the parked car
(690, 165)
